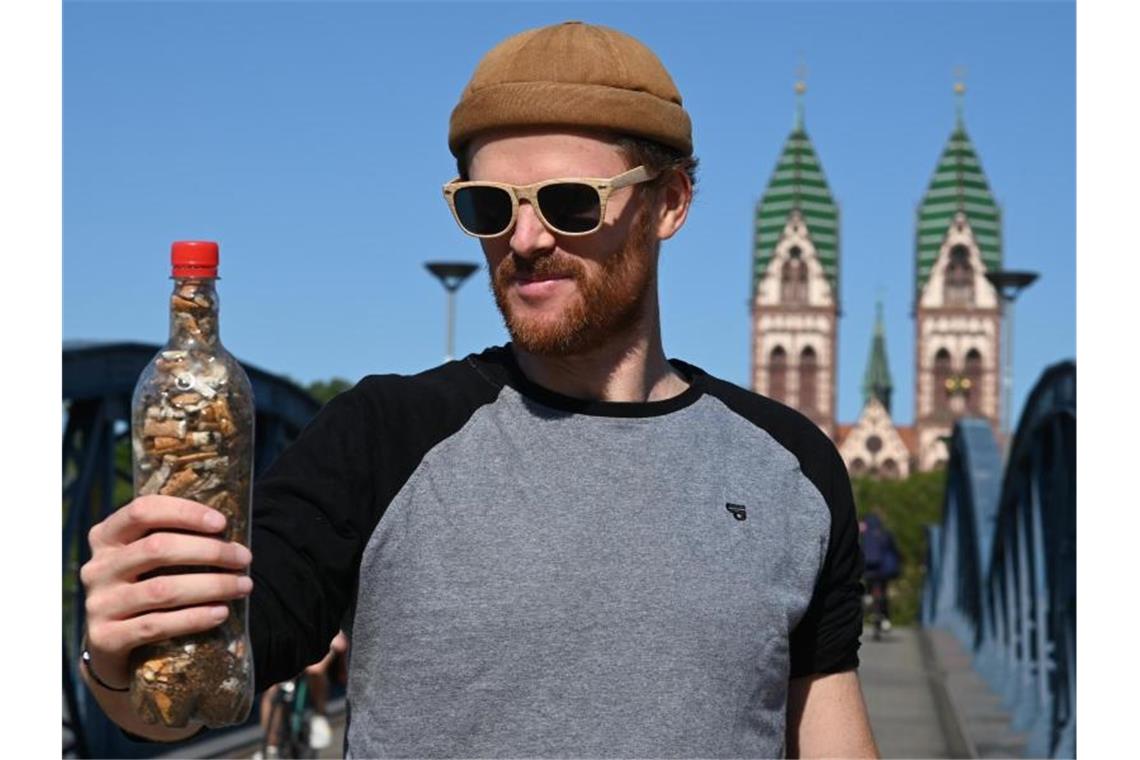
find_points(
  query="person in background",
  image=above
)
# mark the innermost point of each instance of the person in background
(882, 564)
(317, 675)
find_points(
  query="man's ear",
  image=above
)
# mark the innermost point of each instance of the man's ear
(672, 203)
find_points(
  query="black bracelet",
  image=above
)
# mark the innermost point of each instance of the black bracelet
(86, 657)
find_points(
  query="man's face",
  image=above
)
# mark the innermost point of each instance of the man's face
(562, 295)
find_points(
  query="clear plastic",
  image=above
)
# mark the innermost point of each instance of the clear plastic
(192, 436)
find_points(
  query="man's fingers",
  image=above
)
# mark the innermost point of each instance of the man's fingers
(167, 592)
(169, 549)
(125, 635)
(149, 513)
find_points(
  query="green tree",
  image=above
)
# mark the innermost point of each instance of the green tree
(325, 390)
(908, 506)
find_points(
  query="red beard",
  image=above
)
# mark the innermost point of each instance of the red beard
(606, 304)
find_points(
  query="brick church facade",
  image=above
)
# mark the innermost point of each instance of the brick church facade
(795, 307)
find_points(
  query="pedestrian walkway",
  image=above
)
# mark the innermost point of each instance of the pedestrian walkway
(926, 700)
(983, 720)
(904, 715)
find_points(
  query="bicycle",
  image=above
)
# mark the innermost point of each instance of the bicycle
(875, 606)
(287, 733)
(296, 726)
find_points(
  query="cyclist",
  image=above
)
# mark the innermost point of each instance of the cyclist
(317, 677)
(881, 565)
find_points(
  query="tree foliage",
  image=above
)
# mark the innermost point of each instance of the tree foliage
(907, 506)
(325, 390)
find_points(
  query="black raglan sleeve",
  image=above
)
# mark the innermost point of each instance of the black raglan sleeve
(826, 640)
(314, 509)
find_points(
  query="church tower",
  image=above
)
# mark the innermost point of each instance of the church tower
(874, 445)
(877, 376)
(795, 282)
(957, 316)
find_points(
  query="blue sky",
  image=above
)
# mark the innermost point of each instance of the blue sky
(309, 139)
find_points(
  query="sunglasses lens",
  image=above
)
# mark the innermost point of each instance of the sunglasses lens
(483, 210)
(571, 206)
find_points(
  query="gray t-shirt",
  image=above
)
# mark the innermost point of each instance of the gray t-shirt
(529, 575)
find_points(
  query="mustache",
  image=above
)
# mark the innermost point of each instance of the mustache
(542, 268)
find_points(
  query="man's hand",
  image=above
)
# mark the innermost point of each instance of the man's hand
(124, 611)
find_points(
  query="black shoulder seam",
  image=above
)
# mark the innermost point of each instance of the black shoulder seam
(826, 639)
(482, 374)
(812, 447)
(421, 411)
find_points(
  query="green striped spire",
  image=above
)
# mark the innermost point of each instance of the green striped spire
(958, 185)
(797, 184)
(877, 376)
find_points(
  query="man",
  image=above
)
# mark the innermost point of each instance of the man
(567, 546)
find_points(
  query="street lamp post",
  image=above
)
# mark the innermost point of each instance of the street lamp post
(451, 275)
(1009, 285)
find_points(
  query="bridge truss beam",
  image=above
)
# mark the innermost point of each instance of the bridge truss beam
(1001, 572)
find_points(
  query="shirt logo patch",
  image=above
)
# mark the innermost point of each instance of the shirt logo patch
(738, 511)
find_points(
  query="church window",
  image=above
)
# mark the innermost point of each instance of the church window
(874, 444)
(959, 283)
(973, 381)
(890, 469)
(942, 380)
(778, 374)
(809, 370)
(793, 278)
(858, 466)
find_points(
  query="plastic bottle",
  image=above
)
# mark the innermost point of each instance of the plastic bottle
(192, 436)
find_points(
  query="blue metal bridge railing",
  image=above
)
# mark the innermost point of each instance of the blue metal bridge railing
(98, 380)
(1001, 568)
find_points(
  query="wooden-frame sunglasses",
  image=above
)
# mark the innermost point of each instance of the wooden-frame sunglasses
(567, 205)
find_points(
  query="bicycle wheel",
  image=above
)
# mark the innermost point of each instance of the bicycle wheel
(298, 737)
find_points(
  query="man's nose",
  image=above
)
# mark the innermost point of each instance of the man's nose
(530, 236)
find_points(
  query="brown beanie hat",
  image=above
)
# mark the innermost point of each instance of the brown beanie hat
(572, 75)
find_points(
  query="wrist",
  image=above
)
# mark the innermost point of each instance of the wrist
(93, 675)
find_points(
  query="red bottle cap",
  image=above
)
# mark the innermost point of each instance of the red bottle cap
(194, 258)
